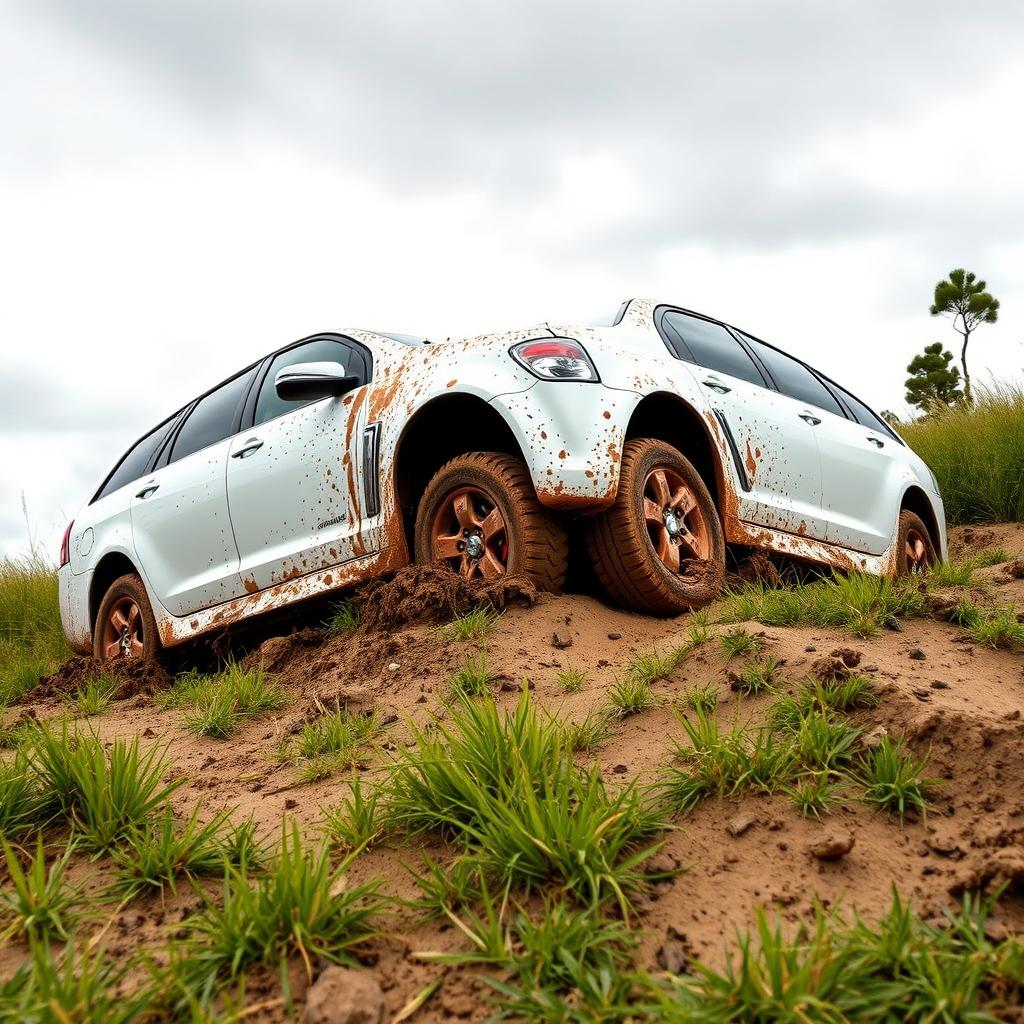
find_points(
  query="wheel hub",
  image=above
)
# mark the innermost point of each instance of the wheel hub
(474, 546)
(671, 523)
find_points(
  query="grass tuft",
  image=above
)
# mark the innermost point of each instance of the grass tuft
(571, 680)
(737, 642)
(474, 625)
(218, 706)
(894, 780)
(630, 696)
(758, 676)
(473, 679)
(36, 903)
(344, 620)
(94, 697)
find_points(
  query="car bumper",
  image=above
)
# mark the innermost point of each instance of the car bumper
(73, 592)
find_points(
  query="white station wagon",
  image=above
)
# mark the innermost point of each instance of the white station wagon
(659, 440)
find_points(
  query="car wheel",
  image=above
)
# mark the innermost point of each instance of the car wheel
(480, 514)
(659, 548)
(125, 625)
(915, 552)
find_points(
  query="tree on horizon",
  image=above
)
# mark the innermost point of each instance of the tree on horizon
(932, 380)
(963, 298)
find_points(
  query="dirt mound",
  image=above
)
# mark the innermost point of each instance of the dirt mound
(433, 594)
(131, 676)
(756, 568)
(837, 666)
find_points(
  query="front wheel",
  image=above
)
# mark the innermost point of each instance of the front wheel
(659, 548)
(480, 514)
(915, 552)
(125, 626)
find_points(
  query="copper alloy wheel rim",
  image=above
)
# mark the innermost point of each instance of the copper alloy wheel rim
(916, 552)
(674, 521)
(469, 532)
(122, 631)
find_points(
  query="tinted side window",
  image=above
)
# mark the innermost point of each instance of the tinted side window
(863, 415)
(133, 465)
(324, 350)
(710, 345)
(212, 419)
(795, 380)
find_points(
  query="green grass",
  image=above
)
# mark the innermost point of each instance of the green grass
(702, 698)
(814, 795)
(106, 793)
(737, 642)
(31, 638)
(758, 676)
(850, 694)
(503, 785)
(950, 574)
(472, 679)
(93, 697)
(22, 803)
(158, 853)
(861, 603)
(977, 454)
(652, 666)
(995, 628)
(217, 706)
(631, 695)
(302, 906)
(474, 625)
(589, 732)
(344, 620)
(359, 821)
(571, 680)
(37, 903)
(894, 780)
(336, 741)
(988, 557)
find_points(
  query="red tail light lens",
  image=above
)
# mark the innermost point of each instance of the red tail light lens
(65, 545)
(555, 359)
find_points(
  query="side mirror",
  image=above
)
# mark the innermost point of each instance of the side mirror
(311, 381)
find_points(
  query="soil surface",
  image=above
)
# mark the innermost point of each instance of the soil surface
(960, 705)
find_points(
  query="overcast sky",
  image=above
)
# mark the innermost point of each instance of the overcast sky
(188, 184)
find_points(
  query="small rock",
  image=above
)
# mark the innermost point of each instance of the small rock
(561, 640)
(673, 956)
(870, 668)
(148, 733)
(394, 666)
(620, 769)
(1012, 716)
(938, 684)
(893, 625)
(810, 648)
(389, 719)
(290, 804)
(739, 823)
(915, 654)
(614, 636)
(508, 686)
(923, 695)
(342, 995)
(1016, 569)
(603, 662)
(874, 737)
(832, 846)
(422, 698)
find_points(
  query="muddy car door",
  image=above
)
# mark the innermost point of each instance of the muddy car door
(180, 525)
(774, 451)
(293, 476)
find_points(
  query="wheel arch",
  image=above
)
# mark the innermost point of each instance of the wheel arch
(669, 418)
(440, 430)
(916, 500)
(111, 566)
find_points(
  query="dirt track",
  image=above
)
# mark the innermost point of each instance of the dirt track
(959, 704)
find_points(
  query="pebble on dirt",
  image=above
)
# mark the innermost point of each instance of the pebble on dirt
(344, 996)
(832, 846)
(561, 640)
(739, 823)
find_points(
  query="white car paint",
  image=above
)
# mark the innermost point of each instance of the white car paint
(277, 512)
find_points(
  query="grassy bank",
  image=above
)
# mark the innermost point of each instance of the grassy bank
(978, 456)
(31, 640)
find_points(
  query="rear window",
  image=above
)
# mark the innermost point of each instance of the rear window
(863, 415)
(134, 463)
(212, 419)
(710, 345)
(795, 379)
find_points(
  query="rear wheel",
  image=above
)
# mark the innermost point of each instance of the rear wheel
(125, 625)
(915, 551)
(660, 547)
(480, 514)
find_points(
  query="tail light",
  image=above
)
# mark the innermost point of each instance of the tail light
(65, 545)
(555, 359)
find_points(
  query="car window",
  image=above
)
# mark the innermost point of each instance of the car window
(710, 345)
(134, 463)
(863, 415)
(269, 405)
(212, 419)
(795, 379)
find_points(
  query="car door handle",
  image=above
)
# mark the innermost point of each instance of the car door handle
(716, 385)
(876, 442)
(810, 418)
(250, 446)
(148, 490)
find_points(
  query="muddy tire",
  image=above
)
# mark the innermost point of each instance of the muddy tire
(125, 626)
(660, 547)
(915, 552)
(480, 514)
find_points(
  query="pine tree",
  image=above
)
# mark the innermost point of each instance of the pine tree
(932, 380)
(963, 298)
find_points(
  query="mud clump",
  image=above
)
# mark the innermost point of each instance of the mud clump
(132, 675)
(837, 666)
(1016, 569)
(434, 594)
(757, 568)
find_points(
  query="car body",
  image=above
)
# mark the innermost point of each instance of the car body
(245, 501)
